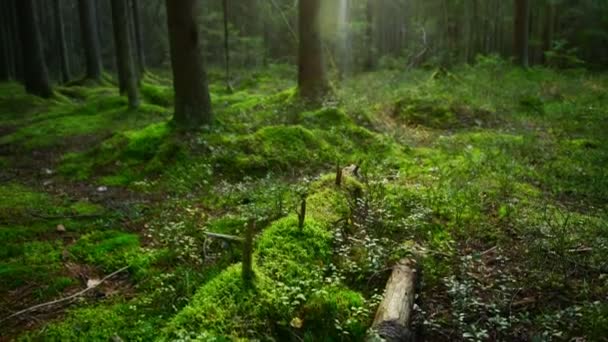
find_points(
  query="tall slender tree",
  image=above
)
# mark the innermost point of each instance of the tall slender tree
(6, 52)
(226, 44)
(521, 32)
(124, 52)
(192, 99)
(90, 39)
(139, 39)
(61, 41)
(36, 76)
(312, 82)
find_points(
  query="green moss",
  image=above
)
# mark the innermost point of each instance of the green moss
(287, 253)
(335, 311)
(326, 118)
(224, 307)
(109, 250)
(426, 112)
(100, 323)
(86, 208)
(279, 148)
(157, 95)
(17, 201)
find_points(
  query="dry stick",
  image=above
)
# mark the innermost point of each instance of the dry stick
(338, 175)
(247, 272)
(62, 300)
(224, 236)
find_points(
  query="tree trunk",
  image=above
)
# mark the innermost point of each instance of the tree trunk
(15, 41)
(139, 39)
(549, 33)
(369, 34)
(192, 99)
(522, 32)
(226, 44)
(124, 52)
(394, 313)
(36, 76)
(90, 39)
(61, 42)
(312, 83)
(5, 53)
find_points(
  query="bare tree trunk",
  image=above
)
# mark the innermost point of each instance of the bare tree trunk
(312, 82)
(36, 76)
(124, 51)
(90, 39)
(522, 32)
(226, 44)
(6, 53)
(61, 42)
(15, 41)
(139, 39)
(192, 99)
(369, 34)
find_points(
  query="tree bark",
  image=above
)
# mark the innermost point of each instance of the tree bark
(14, 41)
(312, 82)
(394, 313)
(139, 39)
(192, 99)
(522, 32)
(226, 44)
(5, 53)
(36, 76)
(90, 39)
(61, 42)
(124, 52)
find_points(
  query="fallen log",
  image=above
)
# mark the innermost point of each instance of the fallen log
(392, 319)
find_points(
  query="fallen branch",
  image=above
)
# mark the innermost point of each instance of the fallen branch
(66, 299)
(224, 236)
(59, 217)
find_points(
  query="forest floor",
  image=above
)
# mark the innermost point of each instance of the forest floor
(493, 178)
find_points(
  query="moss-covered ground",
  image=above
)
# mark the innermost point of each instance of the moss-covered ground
(494, 179)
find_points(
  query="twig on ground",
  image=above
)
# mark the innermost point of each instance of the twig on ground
(65, 299)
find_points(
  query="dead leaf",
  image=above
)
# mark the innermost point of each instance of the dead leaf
(93, 282)
(296, 323)
(60, 228)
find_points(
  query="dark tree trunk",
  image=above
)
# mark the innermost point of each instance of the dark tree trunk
(312, 83)
(522, 32)
(15, 40)
(61, 42)
(192, 99)
(36, 76)
(6, 63)
(549, 30)
(139, 39)
(90, 39)
(369, 33)
(226, 44)
(124, 52)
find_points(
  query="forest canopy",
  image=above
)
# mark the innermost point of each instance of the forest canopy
(303, 170)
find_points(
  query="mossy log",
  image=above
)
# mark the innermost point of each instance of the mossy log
(395, 311)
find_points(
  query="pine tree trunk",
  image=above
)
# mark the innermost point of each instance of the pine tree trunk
(36, 76)
(522, 32)
(312, 83)
(61, 42)
(90, 39)
(139, 39)
(192, 99)
(124, 52)
(226, 44)
(15, 40)
(5, 52)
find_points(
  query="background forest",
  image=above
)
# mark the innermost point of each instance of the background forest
(286, 170)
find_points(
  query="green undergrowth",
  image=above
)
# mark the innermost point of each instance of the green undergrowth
(289, 294)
